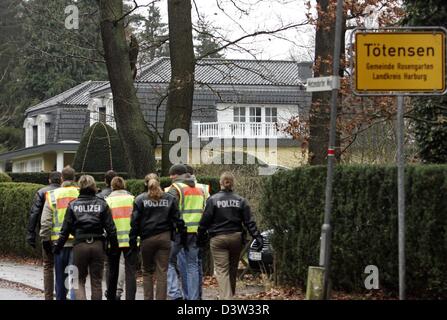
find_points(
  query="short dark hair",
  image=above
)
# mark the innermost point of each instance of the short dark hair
(55, 177)
(68, 173)
(177, 169)
(109, 175)
(189, 169)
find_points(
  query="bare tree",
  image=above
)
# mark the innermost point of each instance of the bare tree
(135, 136)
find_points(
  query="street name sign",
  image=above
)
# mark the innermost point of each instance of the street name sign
(323, 84)
(400, 62)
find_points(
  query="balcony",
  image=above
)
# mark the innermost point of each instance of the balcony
(239, 130)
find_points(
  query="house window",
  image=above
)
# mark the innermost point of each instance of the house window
(102, 114)
(35, 165)
(35, 136)
(47, 132)
(255, 114)
(239, 114)
(19, 166)
(271, 115)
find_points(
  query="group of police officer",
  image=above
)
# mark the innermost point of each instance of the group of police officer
(81, 228)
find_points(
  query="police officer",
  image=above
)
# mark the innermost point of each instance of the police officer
(191, 204)
(155, 219)
(121, 205)
(53, 214)
(87, 218)
(108, 176)
(223, 220)
(55, 180)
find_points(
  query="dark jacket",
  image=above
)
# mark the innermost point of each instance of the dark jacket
(226, 212)
(151, 217)
(104, 193)
(36, 211)
(86, 217)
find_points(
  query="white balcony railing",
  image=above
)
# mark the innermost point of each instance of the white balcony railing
(243, 130)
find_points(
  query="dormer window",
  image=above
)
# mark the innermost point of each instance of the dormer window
(43, 125)
(28, 125)
(101, 110)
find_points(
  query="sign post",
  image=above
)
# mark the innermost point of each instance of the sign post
(399, 62)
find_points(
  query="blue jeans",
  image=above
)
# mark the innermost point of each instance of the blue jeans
(174, 291)
(181, 264)
(61, 261)
(187, 262)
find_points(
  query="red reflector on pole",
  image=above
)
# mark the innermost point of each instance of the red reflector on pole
(331, 152)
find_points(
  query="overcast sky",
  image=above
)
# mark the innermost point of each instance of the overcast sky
(263, 15)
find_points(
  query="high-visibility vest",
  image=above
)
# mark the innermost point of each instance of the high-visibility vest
(205, 188)
(191, 205)
(59, 199)
(121, 207)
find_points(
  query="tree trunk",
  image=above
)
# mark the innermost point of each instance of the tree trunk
(181, 87)
(319, 116)
(136, 138)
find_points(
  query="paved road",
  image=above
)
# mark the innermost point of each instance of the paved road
(32, 277)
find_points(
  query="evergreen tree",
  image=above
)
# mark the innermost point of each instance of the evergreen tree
(206, 44)
(154, 37)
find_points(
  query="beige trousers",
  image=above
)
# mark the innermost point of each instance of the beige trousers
(155, 252)
(226, 250)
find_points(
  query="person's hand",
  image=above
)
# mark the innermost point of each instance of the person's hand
(47, 246)
(259, 243)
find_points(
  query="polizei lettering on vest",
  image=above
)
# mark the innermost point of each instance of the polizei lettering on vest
(228, 204)
(87, 208)
(154, 203)
(377, 50)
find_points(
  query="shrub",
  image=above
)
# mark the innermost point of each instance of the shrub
(364, 220)
(4, 177)
(15, 202)
(100, 150)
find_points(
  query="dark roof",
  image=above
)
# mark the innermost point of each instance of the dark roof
(78, 95)
(233, 72)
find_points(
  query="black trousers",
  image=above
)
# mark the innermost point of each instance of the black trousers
(130, 262)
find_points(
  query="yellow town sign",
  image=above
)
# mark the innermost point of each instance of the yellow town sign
(400, 62)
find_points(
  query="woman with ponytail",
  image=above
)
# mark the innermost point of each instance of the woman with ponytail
(155, 219)
(225, 215)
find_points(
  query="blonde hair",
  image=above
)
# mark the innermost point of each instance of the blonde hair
(118, 183)
(227, 181)
(87, 182)
(153, 186)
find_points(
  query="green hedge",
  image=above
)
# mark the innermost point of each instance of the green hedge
(15, 203)
(42, 177)
(4, 177)
(365, 225)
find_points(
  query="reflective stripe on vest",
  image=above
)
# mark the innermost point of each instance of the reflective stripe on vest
(121, 207)
(191, 205)
(59, 199)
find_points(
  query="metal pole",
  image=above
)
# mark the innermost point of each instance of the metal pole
(401, 193)
(326, 229)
